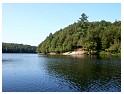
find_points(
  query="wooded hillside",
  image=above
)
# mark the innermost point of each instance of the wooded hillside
(96, 36)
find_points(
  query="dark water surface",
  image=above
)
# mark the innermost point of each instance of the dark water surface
(45, 73)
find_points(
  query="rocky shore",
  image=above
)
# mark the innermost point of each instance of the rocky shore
(75, 53)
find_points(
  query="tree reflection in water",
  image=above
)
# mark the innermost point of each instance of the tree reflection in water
(86, 73)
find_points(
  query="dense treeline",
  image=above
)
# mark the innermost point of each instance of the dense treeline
(17, 48)
(92, 36)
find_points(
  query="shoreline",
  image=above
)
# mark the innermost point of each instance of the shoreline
(83, 53)
(75, 53)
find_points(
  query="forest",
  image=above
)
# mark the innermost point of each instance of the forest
(100, 36)
(17, 48)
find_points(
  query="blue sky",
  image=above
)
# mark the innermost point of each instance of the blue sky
(32, 23)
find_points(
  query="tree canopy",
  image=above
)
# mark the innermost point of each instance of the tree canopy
(17, 48)
(96, 36)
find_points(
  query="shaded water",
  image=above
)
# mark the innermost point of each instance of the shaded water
(45, 73)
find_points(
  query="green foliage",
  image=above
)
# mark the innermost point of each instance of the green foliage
(95, 36)
(115, 48)
(83, 18)
(18, 48)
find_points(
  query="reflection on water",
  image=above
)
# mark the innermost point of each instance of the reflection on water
(88, 73)
(45, 73)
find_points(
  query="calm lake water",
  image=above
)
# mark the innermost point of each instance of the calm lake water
(45, 73)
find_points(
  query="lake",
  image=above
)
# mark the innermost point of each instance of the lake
(56, 73)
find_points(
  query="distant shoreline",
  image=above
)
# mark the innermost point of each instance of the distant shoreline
(19, 53)
(17, 48)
